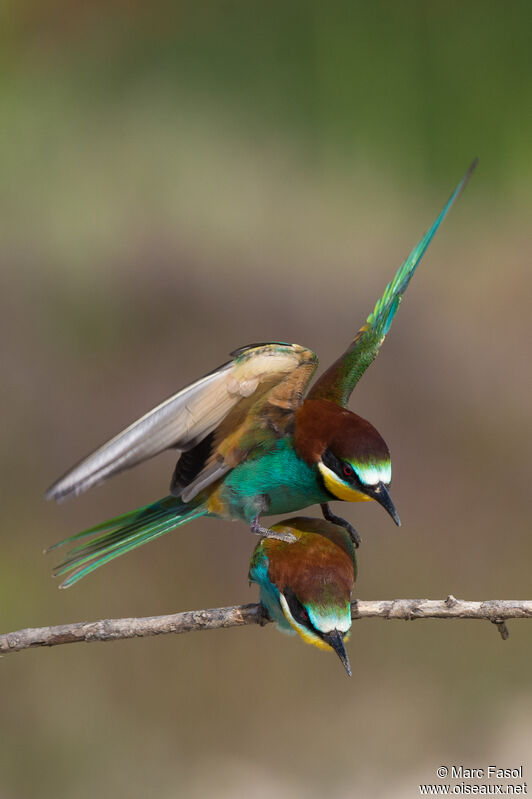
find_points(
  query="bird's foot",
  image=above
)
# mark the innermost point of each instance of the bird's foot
(263, 617)
(332, 517)
(265, 532)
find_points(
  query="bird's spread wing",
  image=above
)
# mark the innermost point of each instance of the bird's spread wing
(250, 427)
(186, 418)
(340, 379)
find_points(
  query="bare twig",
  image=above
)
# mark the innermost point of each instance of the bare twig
(496, 611)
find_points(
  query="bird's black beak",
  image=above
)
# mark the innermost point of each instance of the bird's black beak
(381, 495)
(336, 641)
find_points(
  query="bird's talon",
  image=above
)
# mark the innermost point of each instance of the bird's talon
(287, 537)
(355, 538)
(265, 532)
(332, 517)
(263, 617)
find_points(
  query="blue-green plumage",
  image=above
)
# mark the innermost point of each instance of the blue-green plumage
(288, 481)
(268, 591)
(280, 473)
(122, 534)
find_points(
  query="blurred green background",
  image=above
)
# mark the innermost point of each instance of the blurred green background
(182, 179)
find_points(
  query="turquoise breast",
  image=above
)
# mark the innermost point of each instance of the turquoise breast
(269, 593)
(289, 483)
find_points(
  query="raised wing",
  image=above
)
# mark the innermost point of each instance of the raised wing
(340, 379)
(186, 418)
(250, 427)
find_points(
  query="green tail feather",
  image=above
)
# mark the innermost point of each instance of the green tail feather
(337, 383)
(122, 534)
(379, 321)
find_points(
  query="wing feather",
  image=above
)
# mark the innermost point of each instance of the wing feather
(252, 425)
(184, 419)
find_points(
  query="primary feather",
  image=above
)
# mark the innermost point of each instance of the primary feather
(187, 417)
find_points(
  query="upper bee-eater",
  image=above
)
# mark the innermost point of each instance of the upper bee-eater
(250, 443)
(305, 586)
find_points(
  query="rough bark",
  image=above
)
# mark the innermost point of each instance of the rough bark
(493, 610)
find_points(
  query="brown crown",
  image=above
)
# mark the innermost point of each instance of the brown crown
(312, 566)
(321, 425)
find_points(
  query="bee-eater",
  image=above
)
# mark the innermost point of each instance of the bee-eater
(306, 586)
(250, 443)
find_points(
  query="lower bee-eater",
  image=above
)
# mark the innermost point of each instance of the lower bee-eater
(251, 444)
(306, 586)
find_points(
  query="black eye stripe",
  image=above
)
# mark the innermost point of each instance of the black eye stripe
(297, 610)
(332, 462)
(344, 470)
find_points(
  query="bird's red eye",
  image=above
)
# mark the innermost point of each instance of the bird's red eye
(348, 471)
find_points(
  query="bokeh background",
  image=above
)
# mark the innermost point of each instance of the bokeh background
(181, 179)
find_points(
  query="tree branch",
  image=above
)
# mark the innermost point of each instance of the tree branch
(496, 611)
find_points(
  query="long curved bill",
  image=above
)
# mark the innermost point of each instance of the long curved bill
(336, 642)
(380, 494)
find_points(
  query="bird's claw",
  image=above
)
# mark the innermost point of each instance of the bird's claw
(288, 537)
(355, 537)
(265, 532)
(263, 617)
(332, 517)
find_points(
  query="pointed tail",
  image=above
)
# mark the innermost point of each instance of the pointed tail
(122, 534)
(337, 383)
